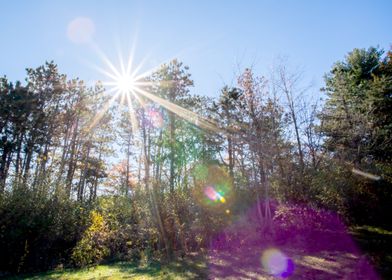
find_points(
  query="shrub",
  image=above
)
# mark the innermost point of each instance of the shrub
(92, 248)
(303, 222)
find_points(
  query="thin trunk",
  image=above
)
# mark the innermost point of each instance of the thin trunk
(139, 173)
(63, 156)
(300, 152)
(41, 168)
(27, 163)
(18, 160)
(287, 87)
(83, 173)
(146, 158)
(72, 160)
(7, 168)
(171, 156)
(127, 167)
(231, 156)
(157, 161)
(3, 165)
(230, 149)
(95, 184)
(185, 180)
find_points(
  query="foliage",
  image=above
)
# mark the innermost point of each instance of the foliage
(356, 123)
(92, 248)
(37, 233)
(303, 220)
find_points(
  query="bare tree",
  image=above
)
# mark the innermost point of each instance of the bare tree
(290, 84)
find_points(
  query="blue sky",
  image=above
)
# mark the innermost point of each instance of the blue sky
(213, 37)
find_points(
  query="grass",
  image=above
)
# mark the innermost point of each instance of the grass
(184, 269)
(377, 243)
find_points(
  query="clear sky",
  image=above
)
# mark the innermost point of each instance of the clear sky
(212, 37)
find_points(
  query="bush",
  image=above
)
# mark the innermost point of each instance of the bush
(36, 232)
(304, 223)
(92, 248)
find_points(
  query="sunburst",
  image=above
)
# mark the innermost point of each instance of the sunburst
(122, 83)
(128, 84)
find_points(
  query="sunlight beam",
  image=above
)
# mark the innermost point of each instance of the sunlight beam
(132, 115)
(105, 108)
(181, 112)
(106, 60)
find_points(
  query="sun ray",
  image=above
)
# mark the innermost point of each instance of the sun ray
(120, 59)
(112, 84)
(105, 108)
(181, 112)
(106, 60)
(104, 72)
(133, 42)
(122, 100)
(135, 72)
(112, 90)
(132, 115)
(130, 61)
(138, 98)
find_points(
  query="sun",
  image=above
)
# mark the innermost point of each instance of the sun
(125, 83)
(122, 82)
(124, 79)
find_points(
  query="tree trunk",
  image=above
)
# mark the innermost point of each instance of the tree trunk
(300, 152)
(171, 156)
(27, 162)
(63, 157)
(3, 165)
(72, 162)
(18, 160)
(83, 173)
(146, 156)
(128, 167)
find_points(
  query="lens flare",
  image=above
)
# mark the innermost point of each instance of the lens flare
(277, 263)
(81, 30)
(366, 174)
(154, 117)
(213, 195)
(213, 186)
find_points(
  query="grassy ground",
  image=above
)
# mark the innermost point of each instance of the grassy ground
(192, 268)
(376, 242)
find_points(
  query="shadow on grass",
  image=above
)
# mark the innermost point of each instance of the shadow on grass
(304, 244)
(377, 243)
(133, 269)
(192, 266)
(246, 261)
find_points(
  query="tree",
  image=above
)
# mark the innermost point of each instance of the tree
(356, 119)
(172, 82)
(228, 110)
(289, 83)
(261, 131)
(356, 123)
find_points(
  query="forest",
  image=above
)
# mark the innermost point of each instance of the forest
(265, 180)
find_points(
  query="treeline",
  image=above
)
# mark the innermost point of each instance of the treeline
(159, 172)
